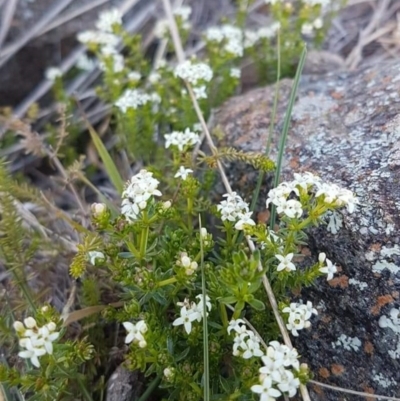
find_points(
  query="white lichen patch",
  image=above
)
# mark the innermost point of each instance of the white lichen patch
(392, 322)
(390, 251)
(348, 343)
(383, 381)
(381, 265)
(360, 284)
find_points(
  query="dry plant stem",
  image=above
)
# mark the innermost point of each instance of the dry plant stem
(64, 174)
(355, 56)
(70, 16)
(6, 20)
(181, 58)
(13, 48)
(345, 390)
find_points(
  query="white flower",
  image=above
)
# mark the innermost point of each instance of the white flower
(85, 63)
(154, 77)
(234, 208)
(289, 384)
(200, 92)
(94, 256)
(329, 269)
(133, 99)
(181, 139)
(169, 373)
(251, 347)
(135, 332)
(299, 315)
(307, 29)
(48, 335)
(265, 390)
(117, 60)
(199, 306)
(137, 192)
(237, 325)
(306, 180)
(134, 76)
(230, 35)
(98, 38)
(32, 352)
(244, 219)
(285, 262)
(189, 265)
(52, 73)
(318, 23)
(37, 341)
(193, 73)
(107, 19)
(183, 12)
(235, 73)
(183, 173)
(186, 319)
(293, 208)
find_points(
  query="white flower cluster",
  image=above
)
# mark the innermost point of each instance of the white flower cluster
(188, 264)
(307, 28)
(85, 63)
(138, 191)
(134, 98)
(106, 39)
(332, 195)
(135, 333)
(246, 344)
(108, 19)
(230, 35)
(276, 376)
(299, 316)
(37, 341)
(329, 269)
(181, 139)
(312, 3)
(190, 311)
(235, 209)
(195, 74)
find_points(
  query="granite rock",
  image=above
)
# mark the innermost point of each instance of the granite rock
(345, 128)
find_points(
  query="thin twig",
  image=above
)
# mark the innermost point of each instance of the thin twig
(14, 47)
(181, 58)
(70, 16)
(345, 390)
(6, 20)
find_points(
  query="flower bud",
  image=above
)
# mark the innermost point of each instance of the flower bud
(51, 326)
(322, 257)
(203, 232)
(19, 327)
(30, 322)
(98, 209)
(45, 309)
(169, 373)
(166, 205)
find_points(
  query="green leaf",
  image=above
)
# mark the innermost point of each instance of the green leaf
(257, 304)
(228, 300)
(182, 355)
(109, 165)
(170, 345)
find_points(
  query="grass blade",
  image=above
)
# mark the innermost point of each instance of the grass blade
(285, 130)
(205, 323)
(105, 156)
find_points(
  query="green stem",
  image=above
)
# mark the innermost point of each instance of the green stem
(144, 237)
(166, 282)
(224, 315)
(285, 130)
(85, 393)
(271, 125)
(189, 212)
(150, 389)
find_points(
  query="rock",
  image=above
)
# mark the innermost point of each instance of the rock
(345, 128)
(123, 385)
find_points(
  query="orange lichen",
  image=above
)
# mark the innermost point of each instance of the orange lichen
(381, 301)
(324, 372)
(368, 348)
(341, 281)
(337, 369)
